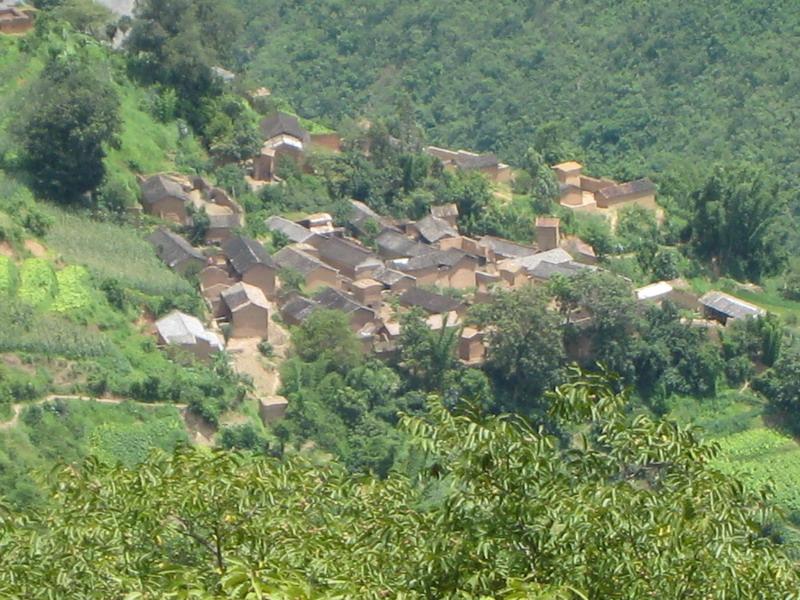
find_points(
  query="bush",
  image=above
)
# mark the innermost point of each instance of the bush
(266, 349)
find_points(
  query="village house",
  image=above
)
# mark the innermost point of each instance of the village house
(289, 229)
(503, 249)
(335, 299)
(545, 270)
(446, 268)
(430, 302)
(641, 192)
(365, 221)
(555, 256)
(316, 274)
(569, 173)
(249, 262)
(176, 252)
(431, 229)
(367, 292)
(446, 212)
(471, 349)
(284, 139)
(350, 259)
(392, 244)
(580, 250)
(723, 307)
(297, 309)
(246, 309)
(512, 274)
(165, 197)
(486, 164)
(393, 280)
(468, 245)
(16, 19)
(548, 233)
(187, 333)
(272, 409)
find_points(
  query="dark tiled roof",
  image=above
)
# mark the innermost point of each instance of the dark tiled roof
(172, 248)
(298, 308)
(433, 229)
(343, 251)
(242, 294)
(545, 270)
(436, 258)
(621, 190)
(282, 123)
(158, 187)
(297, 260)
(389, 277)
(244, 253)
(393, 244)
(481, 161)
(292, 230)
(428, 301)
(338, 300)
(506, 248)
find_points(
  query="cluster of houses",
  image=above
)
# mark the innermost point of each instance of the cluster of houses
(15, 18)
(426, 265)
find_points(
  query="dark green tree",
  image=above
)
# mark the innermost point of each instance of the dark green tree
(71, 114)
(741, 223)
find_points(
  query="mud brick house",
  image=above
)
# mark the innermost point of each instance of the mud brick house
(297, 309)
(284, 139)
(334, 299)
(393, 244)
(446, 268)
(246, 309)
(393, 280)
(15, 20)
(471, 349)
(316, 274)
(187, 333)
(641, 192)
(350, 259)
(292, 231)
(176, 252)
(249, 262)
(446, 212)
(431, 229)
(486, 164)
(165, 197)
(548, 233)
(503, 249)
(430, 302)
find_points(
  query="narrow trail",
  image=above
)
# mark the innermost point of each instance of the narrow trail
(17, 408)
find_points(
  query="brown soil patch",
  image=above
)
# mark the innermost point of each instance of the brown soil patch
(6, 250)
(36, 249)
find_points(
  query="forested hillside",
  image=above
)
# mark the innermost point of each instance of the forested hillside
(634, 88)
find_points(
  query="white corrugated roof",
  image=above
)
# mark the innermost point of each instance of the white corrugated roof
(654, 290)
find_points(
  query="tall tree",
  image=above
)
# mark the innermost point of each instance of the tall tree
(741, 222)
(71, 114)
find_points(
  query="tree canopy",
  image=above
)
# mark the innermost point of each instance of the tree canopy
(628, 509)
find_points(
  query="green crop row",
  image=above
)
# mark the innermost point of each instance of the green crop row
(37, 282)
(764, 457)
(110, 251)
(8, 277)
(130, 444)
(74, 290)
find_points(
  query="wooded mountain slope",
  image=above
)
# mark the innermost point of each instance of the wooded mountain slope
(633, 88)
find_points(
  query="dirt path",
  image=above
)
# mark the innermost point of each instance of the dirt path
(199, 432)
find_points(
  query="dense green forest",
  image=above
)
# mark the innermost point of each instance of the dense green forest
(632, 88)
(565, 465)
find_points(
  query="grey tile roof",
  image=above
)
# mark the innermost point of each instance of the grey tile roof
(545, 270)
(180, 328)
(242, 294)
(282, 123)
(556, 255)
(393, 244)
(345, 252)
(506, 248)
(630, 188)
(481, 161)
(297, 260)
(433, 229)
(243, 253)
(444, 210)
(435, 258)
(161, 186)
(730, 305)
(429, 301)
(172, 249)
(293, 231)
(390, 277)
(298, 308)
(338, 300)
